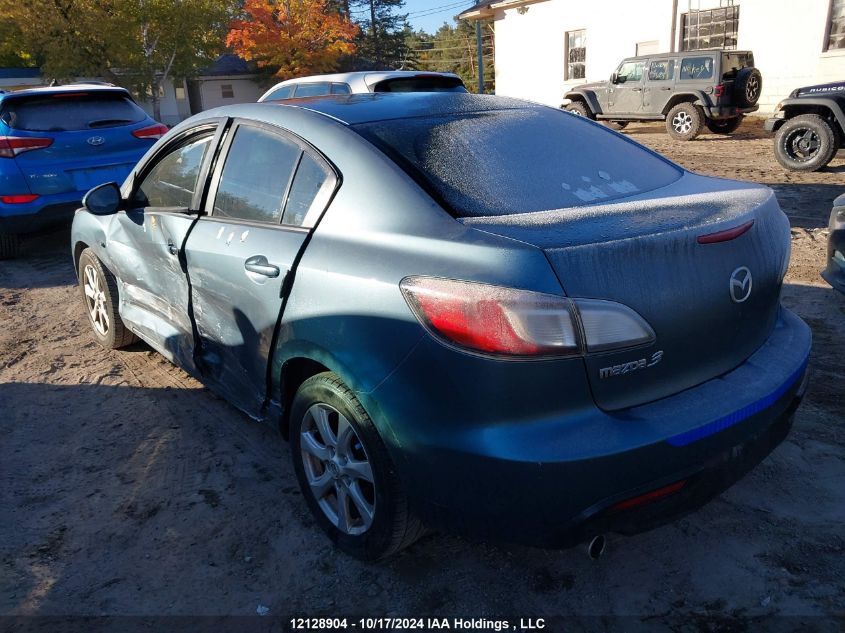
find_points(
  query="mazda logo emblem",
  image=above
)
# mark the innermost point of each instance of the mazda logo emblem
(96, 140)
(740, 284)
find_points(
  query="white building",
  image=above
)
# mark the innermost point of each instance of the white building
(544, 47)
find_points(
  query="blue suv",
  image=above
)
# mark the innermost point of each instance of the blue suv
(58, 142)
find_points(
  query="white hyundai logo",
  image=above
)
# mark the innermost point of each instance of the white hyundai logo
(740, 284)
(96, 140)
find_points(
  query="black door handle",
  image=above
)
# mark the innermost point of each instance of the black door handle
(636, 89)
(171, 248)
(259, 265)
(666, 88)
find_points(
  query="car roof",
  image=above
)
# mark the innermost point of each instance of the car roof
(369, 107)
(696, 53)
(48, 90)
(369, 76)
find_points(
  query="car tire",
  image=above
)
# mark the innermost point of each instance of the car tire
(684, 121)
(579, 108)
(806, 143)
(747, 88)
(329, 430)
(10, 245)
(724, 126)
(98, 288)
(616, 125)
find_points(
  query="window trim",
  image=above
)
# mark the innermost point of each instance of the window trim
(331, 185)
(828, 29)
(567, 74)
(216, 127)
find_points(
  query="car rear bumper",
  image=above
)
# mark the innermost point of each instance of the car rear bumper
(553, 480)
(727, 112)
(41, 213)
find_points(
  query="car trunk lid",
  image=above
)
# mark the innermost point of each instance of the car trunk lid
(685, 261)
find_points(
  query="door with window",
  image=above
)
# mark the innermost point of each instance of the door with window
(660, 79)
(146, 240)
(266, 195)
(625, 96)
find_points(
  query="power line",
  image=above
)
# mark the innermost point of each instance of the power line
(444, 7)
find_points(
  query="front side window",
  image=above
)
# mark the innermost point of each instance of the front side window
(285, 92)
(576, 54)
(661, 70)
(836, 33)
(255, 177)
(693, 68)
(313, 90)
(173, 180)
(630, 72)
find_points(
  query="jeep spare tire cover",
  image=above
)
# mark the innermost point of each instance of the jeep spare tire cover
(747, 87)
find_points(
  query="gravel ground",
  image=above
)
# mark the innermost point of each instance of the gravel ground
(126, 488)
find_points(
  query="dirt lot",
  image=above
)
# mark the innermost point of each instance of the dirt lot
(128, 489)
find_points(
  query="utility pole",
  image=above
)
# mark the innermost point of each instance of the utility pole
(480, 51)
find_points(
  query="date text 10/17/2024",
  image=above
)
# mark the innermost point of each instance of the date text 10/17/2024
(416, 624)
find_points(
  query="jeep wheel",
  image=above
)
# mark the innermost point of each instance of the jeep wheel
(805, 143)
(579, 108)
(684, 121)
(747, 87)
(724, 126)
(10, 245)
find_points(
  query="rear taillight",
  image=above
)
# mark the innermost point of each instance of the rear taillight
(719, 90)
(152, 132)
(511, 322)
(21, 198)
(11, 146)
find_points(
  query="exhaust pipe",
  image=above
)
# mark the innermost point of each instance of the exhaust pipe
(595, 546)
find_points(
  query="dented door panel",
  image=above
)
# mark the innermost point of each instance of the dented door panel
(145, 247)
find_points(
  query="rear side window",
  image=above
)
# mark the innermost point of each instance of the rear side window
(518, 161)
(311, 179)
(285, 92)
(420, 84)
(697, 68)
(341, 89)
(661, 70)
(255, 177)
(313, 90)
(62, 112)
(173, 179)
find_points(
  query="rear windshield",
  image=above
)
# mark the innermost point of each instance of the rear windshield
(62, 112)
(506, 162)
(420, 84)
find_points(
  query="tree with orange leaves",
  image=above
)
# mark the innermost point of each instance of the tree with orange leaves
(292, 37)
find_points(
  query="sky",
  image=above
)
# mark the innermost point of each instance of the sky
(430, 14)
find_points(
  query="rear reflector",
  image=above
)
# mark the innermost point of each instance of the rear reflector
(649, 497)
(18, 199)
(153, 132)
(11, 146)
(727, 235)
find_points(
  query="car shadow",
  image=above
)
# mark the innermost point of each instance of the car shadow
(807, 205)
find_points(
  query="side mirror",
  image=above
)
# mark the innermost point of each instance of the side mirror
(103, 200)
(614, 78)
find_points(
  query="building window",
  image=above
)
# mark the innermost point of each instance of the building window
(714, 28)
(226, 91)
(180, 93)
(836, 35)
(576, 54)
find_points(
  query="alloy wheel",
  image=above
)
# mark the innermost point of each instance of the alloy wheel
(338, 469)
(802, 144)
(682, 122)
(752, 88)
(95, 299)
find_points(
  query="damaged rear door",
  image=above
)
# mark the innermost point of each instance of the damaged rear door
(264, 200)
(146, 240)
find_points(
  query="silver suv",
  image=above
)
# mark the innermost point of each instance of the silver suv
(688, 90)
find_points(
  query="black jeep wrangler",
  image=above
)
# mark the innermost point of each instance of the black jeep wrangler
(688, 90)
(809, 126)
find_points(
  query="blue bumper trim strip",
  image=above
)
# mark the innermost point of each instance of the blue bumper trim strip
(739, 415)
